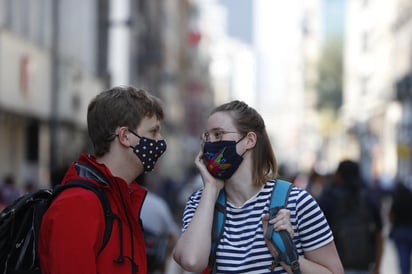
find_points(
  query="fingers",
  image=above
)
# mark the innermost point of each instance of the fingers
(199, 160)
(282, 222)
(272, 249)
(207, 178)
(265, 221)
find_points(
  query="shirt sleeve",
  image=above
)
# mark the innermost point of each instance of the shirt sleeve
(190, 208)
(314, 231)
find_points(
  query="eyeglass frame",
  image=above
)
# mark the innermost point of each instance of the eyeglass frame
(218, 135)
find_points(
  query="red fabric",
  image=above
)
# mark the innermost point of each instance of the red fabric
(72, 229)
(207, 270)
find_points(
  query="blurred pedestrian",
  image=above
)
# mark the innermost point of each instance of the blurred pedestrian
(160, 230)
(355, 220)
(29, 186)
(9, 191)
(159, 227)
(401, 224)
(236, 156)
(124, 127)
(316, 183)
(57, 175)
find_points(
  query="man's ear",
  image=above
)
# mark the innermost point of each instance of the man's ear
(251, 139)
(123, 136)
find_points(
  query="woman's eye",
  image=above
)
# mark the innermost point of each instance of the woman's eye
(218, 134)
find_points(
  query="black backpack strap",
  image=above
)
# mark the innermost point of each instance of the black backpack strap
(107, 211)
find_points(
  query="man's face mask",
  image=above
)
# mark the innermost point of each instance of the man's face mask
(148, 151)
(221, 158)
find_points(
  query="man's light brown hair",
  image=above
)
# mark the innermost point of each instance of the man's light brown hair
(122, 106)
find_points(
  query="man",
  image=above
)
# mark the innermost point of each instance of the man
(124, 128)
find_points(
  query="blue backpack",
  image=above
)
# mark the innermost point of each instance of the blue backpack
(280, 239)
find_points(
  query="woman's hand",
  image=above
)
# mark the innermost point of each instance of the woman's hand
(280, 222)
(206, 176)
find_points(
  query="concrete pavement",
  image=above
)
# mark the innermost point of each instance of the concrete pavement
(389, 261)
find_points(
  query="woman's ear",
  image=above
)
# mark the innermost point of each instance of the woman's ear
(251, 139)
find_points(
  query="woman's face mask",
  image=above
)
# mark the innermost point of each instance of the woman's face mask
(221, 158)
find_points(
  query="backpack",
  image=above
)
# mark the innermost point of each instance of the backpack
(354, 231)
(281, 240)
(20, 227)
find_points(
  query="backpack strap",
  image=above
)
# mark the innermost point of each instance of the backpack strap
(219, 220)
(88, 172)
(281, 240)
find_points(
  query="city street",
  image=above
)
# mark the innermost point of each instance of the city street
(389, 263)
(389, 260)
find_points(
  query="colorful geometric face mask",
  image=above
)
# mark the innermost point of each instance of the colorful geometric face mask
(221, 158)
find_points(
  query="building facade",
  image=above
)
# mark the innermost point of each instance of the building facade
(376, 57)
(55, 57)
(48, 73)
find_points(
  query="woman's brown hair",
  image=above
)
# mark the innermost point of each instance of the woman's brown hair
(247, 119)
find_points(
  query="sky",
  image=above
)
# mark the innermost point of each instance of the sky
(240, 18)
(333, 11)
(240, 21)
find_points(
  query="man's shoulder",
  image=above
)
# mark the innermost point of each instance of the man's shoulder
(75, 198)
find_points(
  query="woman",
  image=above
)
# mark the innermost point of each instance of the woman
(237, 155)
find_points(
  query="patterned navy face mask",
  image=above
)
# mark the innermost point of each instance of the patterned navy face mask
(221, 158)
(148, 151)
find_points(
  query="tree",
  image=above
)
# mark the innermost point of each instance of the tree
(329, 84)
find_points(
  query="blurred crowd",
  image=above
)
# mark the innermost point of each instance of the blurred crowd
(10, 191)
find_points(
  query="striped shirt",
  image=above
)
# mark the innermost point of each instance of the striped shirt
(242, 248)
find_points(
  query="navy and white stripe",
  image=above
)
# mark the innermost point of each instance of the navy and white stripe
(242, 248)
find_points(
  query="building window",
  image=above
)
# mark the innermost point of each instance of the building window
(365, 41)
(9, 8)
(32, 142)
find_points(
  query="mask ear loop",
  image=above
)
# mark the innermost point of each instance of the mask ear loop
(135, 134)
(241, 140)
(112, 137)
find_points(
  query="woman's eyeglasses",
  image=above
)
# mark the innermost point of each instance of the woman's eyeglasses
(215, 135)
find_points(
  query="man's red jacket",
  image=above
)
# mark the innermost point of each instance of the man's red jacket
(72, 229)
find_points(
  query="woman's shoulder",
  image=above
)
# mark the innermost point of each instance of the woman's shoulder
(295, 193)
